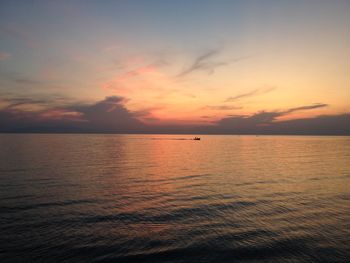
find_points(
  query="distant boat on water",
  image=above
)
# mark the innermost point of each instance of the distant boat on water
(196, 138)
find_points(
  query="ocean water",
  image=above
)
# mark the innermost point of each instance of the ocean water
(164, 198)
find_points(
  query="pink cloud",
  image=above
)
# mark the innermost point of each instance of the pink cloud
(149, 74)
(60, 114)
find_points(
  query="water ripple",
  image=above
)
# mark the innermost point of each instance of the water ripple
(154, 198)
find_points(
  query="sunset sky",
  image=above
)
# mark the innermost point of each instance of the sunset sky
(172, 63)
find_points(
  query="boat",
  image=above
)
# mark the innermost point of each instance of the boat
(196, 138)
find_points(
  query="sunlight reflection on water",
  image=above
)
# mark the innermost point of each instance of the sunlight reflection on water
(161, 198)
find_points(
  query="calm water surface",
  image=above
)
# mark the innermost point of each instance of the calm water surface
(157, 198)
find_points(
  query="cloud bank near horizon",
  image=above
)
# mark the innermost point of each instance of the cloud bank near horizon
(110, 115)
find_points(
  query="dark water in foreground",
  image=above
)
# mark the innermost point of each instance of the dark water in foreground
(154, 198)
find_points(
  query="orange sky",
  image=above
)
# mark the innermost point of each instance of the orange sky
(212, 61)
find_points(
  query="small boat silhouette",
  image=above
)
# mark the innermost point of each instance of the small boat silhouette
(196, 138)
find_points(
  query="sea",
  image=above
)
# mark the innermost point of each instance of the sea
(168, 198)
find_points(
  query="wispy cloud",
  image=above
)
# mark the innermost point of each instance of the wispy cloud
(271, 116)
(207, 62)
(201, 62)
(146, 74)
(222, 107)
(13, 101)
(308, 107)
(250, 94)
(29, 81)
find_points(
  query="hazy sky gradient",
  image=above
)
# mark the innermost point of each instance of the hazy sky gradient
(172, 63)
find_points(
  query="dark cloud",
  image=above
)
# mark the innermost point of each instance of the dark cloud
(207, 62)
(14, 120)
(249, 94)
(261, 123)
(266, 122)
(108, 115)
(111, 116)
(265, 117)
(322, 125)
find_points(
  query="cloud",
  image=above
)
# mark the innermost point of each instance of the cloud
(146, 75)
(308, 107)
(261, 122)
(4, 56)
(14, 101)
(222, 107)
(250, 94)
(25, 81)
(206, 62)
(201, 63)
(323, 125)
(55, 120)
(265, 117)
(108, 115)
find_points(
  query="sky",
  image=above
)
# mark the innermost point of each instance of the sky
(175, 66)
